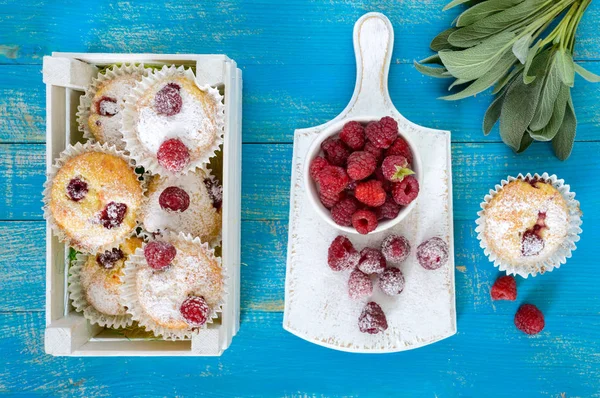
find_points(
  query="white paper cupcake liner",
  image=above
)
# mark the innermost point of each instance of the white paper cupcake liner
(144, 157)
(562, 253)
(131, 299)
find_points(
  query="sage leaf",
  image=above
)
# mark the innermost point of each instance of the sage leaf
(586, 74)
(506, 79)
(526, 140)
(566, 67)
(458, 82)
(530, 56)
(565, 137)
(549, 131)
(492, 114)
(440, 42)
(550, 90)
(432, 59)
(484, 9)
(521, 48)
(454, 3)
(432, 71)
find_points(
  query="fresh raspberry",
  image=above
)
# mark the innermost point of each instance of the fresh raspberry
(387, 211)
(159, 254)
(395, 168)
(330, 199)
(364, 221)
(333, 179)
(359, 285)
(432, 253)
(395, 248)
(77, 189)
(371, 261)
(108, 259)
(353, 135)
(405, 191)
(342, 212)
(370, 193)
(107, 106)
(529, 319)
(194, 310)
(215, 191)
(505, 288)
(336, 151)
(400, 147)
(373, 150)
(173, 155)
(174, 199)
(316, 166)
(382, 133)
(385, 183)
(372, 320)
(113, 215)
(342, 254)
(391, 281)
(168, 100)
(361, 165)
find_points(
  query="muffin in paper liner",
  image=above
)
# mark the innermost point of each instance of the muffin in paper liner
(168, 280)
(126, 76)
(199, 123)
(78, 243)
(554, 259)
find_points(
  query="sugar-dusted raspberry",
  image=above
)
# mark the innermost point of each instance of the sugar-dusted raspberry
(371, 261)
(395, 248)
(385, 183)
(395, 168)
(159, 254)
(215, 191)
(529, 319)
(433, 253)
(108, 259)
(316, 166)
(174, 199)
(391, 281)
(505, 288)
(336, 151)
(373, 150)
(77, 189)
(531, 242)
(107, 106)
(364, 221)
(405, 191)
(387, 211)
(361, 165)
(342, 211)
(168, 100)
(173, 155)
(372, 320)
(370, 193)
(353, 135)
(400, 147)
(113, 215)
(333, 179)
(195, 310)
(382, 133)
(330, 199)
(342, 255)
(359, 285)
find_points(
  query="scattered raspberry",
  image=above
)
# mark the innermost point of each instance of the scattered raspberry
(405, 191)
(371, 261)
(174, 199)
(168, 100)
(505, 288)
(382, 133)
(330, 199)
(215, 191)
(395, 168)
(342, 254)
(194, 310)
(159, 254)
(395, 248)
(353, 135)
(529, 319)
(113, 215)
(432, 253)
(385, 183)
(361, 165)
(107, 106)
(364, 221)
(333, 179)
(77, 189)
(316, 166)
(342, 212)
(387, 211)
(391, 281)
(370, 193)
(400, 147)
(173, 155)
(108, 259)
(373, 150)
(335, 150)
(372, 319)
(359, 285)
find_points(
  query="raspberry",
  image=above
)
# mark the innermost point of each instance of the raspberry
(351, 185)
(342, 254)
(215, 191)
(194, 310)
(370, 193)
(330, 199)
(385, 183)
(336, 152)
(373, 150)
(364, 221)
(505, 288)
(113, 215)
(342, 212)
(77, 189)
(531, 242)
(387, 211)
(371, 261)
(359, 285)
(395, 168)
(109, 258)
(168, 100)
(529, 319)
(391, 281)
(382, 133)
(316, 166)
(159, 254)
(432, 253)
(174, 199)
(333, 179)
(107, 106)
(372, 319)
(353, 135)
(395, 248)
(405, 191)
(400, 147)
(173, 155)
(361, 165)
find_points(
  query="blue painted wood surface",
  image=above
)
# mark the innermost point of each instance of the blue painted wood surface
(298, 67)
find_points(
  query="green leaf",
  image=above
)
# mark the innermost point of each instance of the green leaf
(440, 42)
(549, 131)
(548, 95)
(530, 57)
(431, 70)
(506, 79)
(432, 59)
(526, 140)
(564, 139)
(454, 3)
(492, 114)
(484, 9)
(521, 48)
(401, 172)
(586, 74)
(566, 67)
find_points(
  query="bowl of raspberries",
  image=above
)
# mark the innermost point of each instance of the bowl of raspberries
(362, 175)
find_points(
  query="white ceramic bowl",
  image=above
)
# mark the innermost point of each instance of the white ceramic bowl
(313, 192)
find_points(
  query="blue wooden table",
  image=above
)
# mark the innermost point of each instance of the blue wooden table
(298, 66)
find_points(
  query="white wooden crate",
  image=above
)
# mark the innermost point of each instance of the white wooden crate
(66, 76)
